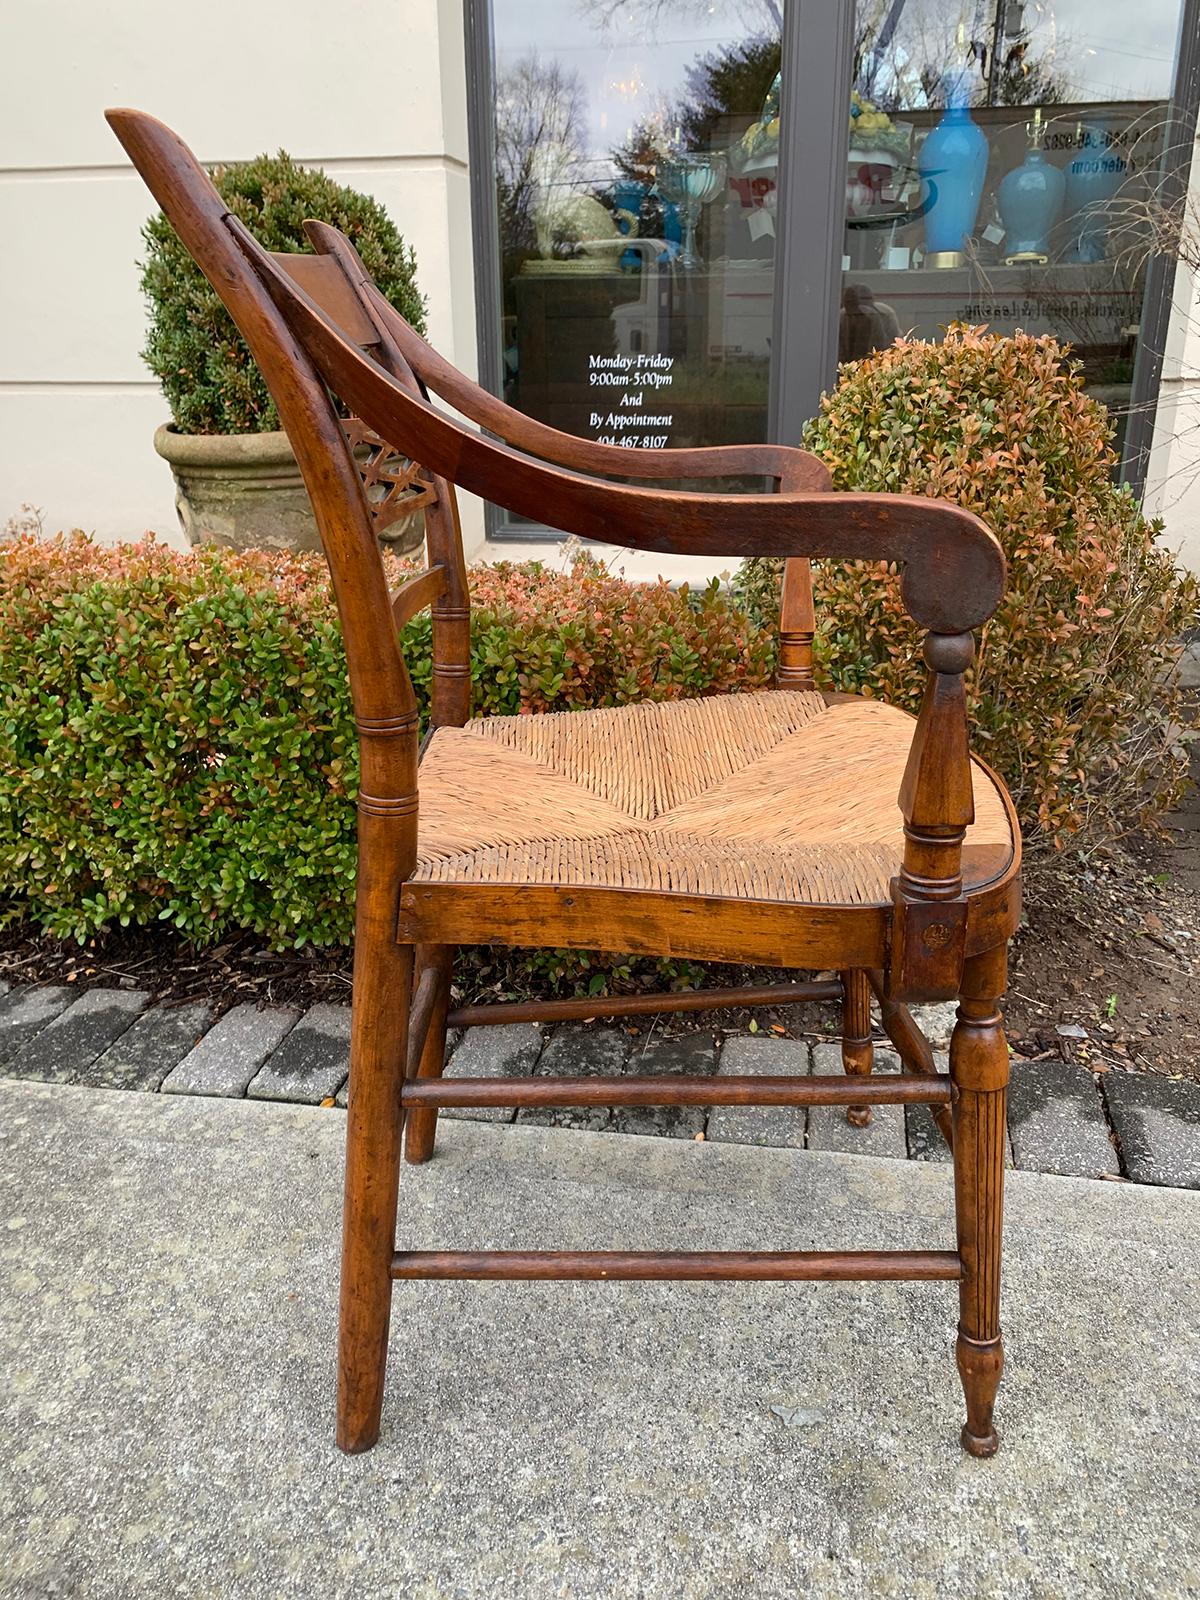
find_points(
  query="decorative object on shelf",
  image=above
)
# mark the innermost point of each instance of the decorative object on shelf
(689, 181)
(758, 147)
(754, 172)
(878, 170)
(953, 164)
(874, 136)
(1093, 176)
(1030, 202)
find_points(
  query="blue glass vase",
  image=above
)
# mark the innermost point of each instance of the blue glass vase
(1030, 201)
(953, 164)
(1094, 174)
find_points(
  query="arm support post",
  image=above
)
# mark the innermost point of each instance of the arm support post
(938, 805)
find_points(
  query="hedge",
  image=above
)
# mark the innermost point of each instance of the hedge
(211, 382)
(1073, 696)
(176, 736)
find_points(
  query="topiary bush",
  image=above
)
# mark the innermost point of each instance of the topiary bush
(1072, 694)
(176, 736)
(208, 376)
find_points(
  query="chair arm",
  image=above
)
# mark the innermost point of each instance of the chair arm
(795, 469)
(953, 568)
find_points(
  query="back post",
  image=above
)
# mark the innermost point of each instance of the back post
(797, 624)
(450, 695)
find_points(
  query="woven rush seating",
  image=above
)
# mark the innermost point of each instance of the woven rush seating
(782, 795)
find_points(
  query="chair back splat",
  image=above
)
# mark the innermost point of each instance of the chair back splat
(790, 828)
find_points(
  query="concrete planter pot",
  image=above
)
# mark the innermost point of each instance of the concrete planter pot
(244, 491)
(240, 490)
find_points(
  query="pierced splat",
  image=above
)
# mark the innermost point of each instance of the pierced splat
(394, 486)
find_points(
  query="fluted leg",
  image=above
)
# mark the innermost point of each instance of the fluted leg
(421, 1130)
(979, 1068)
(858, 1053)
(379, 1028)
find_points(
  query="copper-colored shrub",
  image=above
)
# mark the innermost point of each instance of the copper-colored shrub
(1072, 695)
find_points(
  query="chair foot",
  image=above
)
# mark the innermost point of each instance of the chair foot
(357, 1443)
(980, 1365)
(858, 1053)
(983, 1448)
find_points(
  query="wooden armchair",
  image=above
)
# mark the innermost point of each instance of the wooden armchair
(749, 828)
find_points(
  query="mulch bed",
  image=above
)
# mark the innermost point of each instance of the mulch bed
(1110, 949)
(1104, 970)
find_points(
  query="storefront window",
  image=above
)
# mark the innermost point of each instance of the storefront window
(1004, 162)
(637, 153)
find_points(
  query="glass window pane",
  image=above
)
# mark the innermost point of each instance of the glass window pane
(1003, 164)
(637, 155)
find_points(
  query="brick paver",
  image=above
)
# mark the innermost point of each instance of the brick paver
(64, 1050)
(311, 1063)
(156, 1043)
(828, 1128)
(230, 1054)
(1056, 1121)
(25, 1012)
(748, 1056)
(1157, 1123)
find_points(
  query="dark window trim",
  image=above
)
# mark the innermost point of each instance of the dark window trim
(814, 143)
(481, 155)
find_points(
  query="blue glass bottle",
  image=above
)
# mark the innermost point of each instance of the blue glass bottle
(628, 195)
(1094, 174)
(953, 164)
(1030, 201)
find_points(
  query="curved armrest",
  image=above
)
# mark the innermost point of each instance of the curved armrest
(953, 568)
(789, 467)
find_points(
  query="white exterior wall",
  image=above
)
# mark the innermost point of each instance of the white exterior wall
(371, 90)
(1173, 479)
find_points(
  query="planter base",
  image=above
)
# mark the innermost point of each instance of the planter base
(245, 492)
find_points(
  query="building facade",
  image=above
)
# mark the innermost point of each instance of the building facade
(641, 220)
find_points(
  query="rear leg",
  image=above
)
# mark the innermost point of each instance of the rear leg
(858, 1053)
(434, 963)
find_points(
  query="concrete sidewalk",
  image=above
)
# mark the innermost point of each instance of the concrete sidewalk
(167, 1308)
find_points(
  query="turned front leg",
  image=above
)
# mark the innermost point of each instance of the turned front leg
(979, 1068)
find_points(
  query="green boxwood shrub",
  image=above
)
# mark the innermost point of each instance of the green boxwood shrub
(193, 349)
(1072, 695)
(176, 737)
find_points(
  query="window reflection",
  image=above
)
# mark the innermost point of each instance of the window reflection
(637, 163)
(1003, 169)
(1004, 161)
